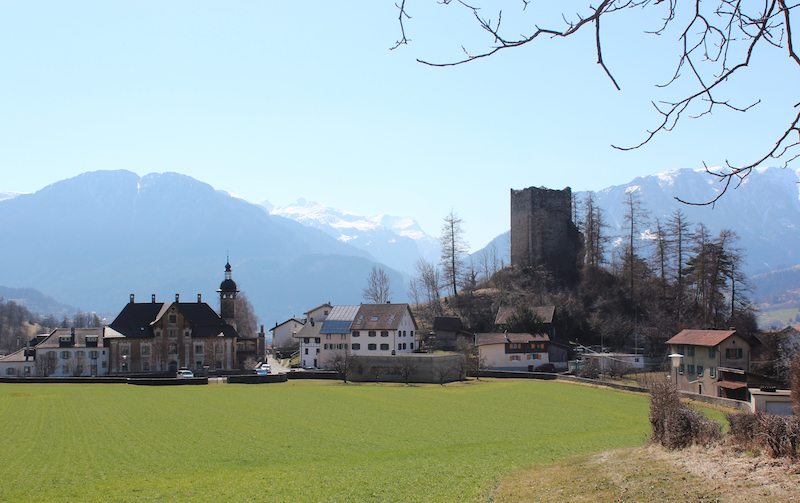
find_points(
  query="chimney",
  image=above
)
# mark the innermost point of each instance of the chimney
(131, 298)
(153, 298)
(177, 297)
(199, 297)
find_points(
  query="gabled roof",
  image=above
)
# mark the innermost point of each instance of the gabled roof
(308, 330)
(447, 323)
(515, 338)
(701, 337)
(136, 320)
(544, 312)
(52, 340)
(298, 320)
(15, 357)
(315, 308)
(381, 316)
(339, 320)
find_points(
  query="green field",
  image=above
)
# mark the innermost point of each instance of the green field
(298, 441)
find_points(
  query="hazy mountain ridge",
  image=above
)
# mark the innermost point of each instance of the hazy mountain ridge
(37, 302)
(94, 239)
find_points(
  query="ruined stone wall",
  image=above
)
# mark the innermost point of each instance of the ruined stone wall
(542, 231)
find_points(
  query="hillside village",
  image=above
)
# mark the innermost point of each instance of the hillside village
(538, 316)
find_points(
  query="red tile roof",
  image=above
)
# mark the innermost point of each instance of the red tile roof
(701, 337)
(381, 317)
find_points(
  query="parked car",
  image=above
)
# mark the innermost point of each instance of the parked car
(545, 367)
(185, 374)
(263, 369)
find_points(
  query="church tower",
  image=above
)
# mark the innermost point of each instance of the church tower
(227, 297)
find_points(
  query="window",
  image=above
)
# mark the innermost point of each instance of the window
(344, 337)
(145, 366)
(79, 354)
(514, 358)
(173, 318)
(374, 318)
(371, 347)
(172, 333)
(712, 371)
(198, 349)
(306, 350)
(93, 355)
(146, 350)
(325, 312)
(218, 364)
(356, 333)
(305, 340)
(325, 346)
(733, 353)
(712, 352)
(124, 350)
(328, 337)
(690, 369)
(384, 347)
(198, 365)
(514, 345)
(186, 333)
(699, 371)
(356, 346)
(411, 345)
(105, 364)
(680, 368)
(384, 333)
(679, 350)
(65, 355)
(371, 333)
(691, 350)
(10, 371)
(412, 333)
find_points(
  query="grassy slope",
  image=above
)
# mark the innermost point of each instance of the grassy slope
(298, 441)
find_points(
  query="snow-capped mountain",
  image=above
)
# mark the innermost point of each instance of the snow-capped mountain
(395, 241)
(9, 195)
(764, 210)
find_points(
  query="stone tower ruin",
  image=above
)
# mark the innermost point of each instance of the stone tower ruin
(542, 231)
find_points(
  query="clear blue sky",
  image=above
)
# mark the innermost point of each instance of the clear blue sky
(282, 100)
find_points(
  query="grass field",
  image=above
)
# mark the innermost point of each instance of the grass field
(298, 441)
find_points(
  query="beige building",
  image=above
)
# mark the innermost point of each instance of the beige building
(701, 359)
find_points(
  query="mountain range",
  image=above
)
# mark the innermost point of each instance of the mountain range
(92, 240)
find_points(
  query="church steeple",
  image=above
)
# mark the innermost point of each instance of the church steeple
(227, 297)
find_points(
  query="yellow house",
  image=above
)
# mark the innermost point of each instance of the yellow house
(700, 359)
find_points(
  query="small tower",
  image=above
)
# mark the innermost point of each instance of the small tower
(227, 297)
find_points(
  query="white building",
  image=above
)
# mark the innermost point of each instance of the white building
(513, 351)
(374, 329)
(62, 353)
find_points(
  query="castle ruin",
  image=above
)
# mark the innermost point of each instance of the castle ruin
(542, 231)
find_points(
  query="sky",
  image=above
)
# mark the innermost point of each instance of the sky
(279, 101)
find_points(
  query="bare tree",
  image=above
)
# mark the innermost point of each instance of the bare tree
(454, 248)
(635, 219)
(405, 367)
(76, 365)
(718, 40)
(376, 371)
(679, 236)
(343, 363)
(441, 370)
(246, 319)
(46, 363)
(379, 286)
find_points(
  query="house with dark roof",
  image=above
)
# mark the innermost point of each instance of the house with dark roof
(513, 351)
(447, 330)
(165, 336)
(710, 362)
(546, 313)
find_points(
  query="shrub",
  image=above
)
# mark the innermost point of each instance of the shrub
(591, 370)
(676, 425)
(777, 436)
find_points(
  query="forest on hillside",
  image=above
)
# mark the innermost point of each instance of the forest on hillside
(632, 290)
(18, 324)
